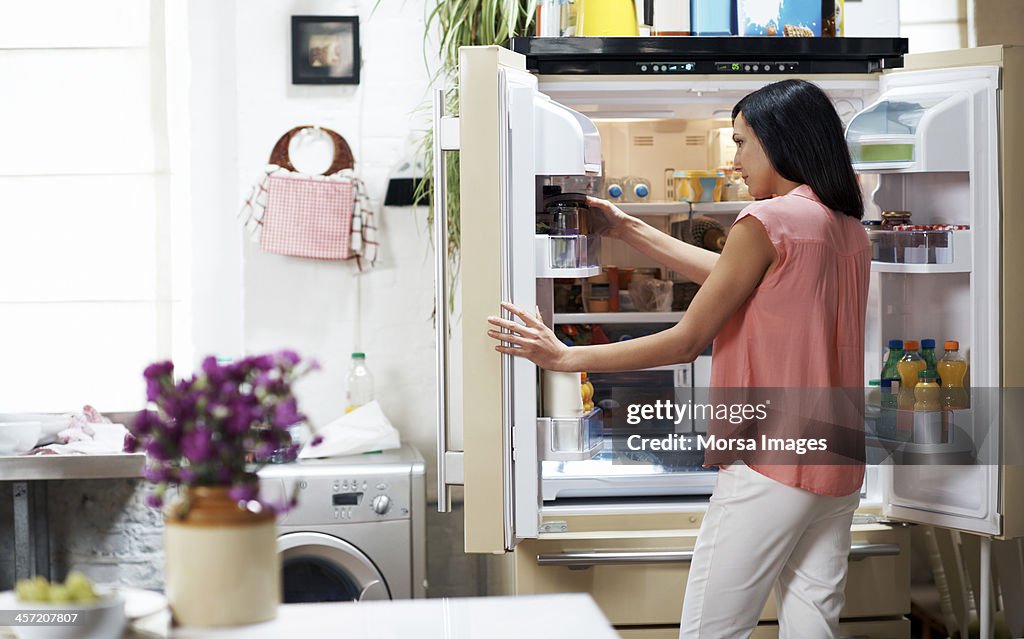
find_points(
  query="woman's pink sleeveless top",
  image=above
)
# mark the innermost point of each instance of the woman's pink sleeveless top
(803, 327)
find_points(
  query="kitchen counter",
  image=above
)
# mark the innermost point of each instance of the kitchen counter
(28, 474)
(567, 616)
(44, 467)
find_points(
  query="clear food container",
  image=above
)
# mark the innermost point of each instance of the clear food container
(913, 244)
(567, 252)
(570, 438)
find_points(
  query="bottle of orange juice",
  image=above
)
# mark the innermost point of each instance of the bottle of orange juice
(586, 393)
(952, 369)
(910, 364)
(928, 416)
(926, 393)
(908, 367)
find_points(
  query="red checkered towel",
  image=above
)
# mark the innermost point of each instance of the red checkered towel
(308, 216)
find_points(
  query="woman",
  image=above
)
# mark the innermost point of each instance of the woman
(784, 304)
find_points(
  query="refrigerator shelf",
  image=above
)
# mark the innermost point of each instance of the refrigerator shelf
(568, 256)
(621, 317)
(570, 438)
(720, 208)
(928, 251)
(654, 208)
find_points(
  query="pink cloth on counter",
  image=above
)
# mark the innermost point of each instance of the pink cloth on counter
(803, 327)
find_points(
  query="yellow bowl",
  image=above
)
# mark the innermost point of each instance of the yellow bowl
(699, 186)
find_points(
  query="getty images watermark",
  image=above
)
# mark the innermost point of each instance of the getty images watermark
(734, 414)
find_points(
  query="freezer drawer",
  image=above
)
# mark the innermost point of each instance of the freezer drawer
(650, 591)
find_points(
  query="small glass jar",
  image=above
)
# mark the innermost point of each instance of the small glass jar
(873, 229)
(895, 218)
(565, 219)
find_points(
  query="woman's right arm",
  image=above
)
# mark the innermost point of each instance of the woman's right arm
(692, 262)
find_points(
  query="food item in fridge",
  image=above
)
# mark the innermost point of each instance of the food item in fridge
(708, 233)
(928, 354)
(952, 370)
(910, 364)
(562, 396)
(586, 393)
(699, 186)
(651, 295)
(636, 189)
(926, 393)
(890, 373)
(895, 218)
(928, 427)
(614, 190)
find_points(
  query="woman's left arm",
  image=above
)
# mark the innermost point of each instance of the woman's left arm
(748, 255)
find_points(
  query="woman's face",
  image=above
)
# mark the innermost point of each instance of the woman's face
(752, 162)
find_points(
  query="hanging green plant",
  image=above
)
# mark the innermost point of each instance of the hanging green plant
(462, 23)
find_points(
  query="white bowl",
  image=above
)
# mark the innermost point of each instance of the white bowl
(18, 437)
(51, 423)
(104, 619)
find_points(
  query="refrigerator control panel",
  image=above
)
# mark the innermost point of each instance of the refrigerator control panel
(760, 66)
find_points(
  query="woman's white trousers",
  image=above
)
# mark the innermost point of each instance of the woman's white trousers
(759, 534)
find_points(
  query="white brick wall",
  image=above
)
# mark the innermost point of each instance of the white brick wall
(105, 529)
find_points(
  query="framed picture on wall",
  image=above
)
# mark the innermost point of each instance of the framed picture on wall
(325, 50)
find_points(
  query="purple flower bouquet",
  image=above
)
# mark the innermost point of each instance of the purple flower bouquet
(216, 427)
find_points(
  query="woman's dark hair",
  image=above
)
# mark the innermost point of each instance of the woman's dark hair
(802, 135)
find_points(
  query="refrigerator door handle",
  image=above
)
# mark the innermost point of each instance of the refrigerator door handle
(585, 559)
(446, 138)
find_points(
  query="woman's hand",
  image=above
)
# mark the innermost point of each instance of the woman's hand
(531, 339)
(610, 220)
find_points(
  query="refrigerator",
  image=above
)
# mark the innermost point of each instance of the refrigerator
(551, 108)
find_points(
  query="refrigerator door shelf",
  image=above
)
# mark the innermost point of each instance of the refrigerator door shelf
(570, 438)
(567, 256)
(566, 142)
(921, 251)
(912, 131)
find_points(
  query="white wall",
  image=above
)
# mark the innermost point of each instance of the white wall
(872, 18)
(244, 101)
(934, 25)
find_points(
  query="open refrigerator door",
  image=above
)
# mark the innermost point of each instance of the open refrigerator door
(507, 134)
(933, 139)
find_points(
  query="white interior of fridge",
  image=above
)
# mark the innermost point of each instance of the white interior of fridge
(646, 128)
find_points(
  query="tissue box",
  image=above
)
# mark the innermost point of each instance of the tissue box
(807, 18)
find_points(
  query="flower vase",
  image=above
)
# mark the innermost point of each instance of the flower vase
(222, 567)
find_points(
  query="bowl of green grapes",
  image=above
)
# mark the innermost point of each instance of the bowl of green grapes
(75, 609)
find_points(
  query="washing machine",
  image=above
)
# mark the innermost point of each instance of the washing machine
(357, 532)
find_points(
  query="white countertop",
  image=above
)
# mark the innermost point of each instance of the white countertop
(566, 616)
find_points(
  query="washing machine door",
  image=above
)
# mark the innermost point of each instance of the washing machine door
(317, 567)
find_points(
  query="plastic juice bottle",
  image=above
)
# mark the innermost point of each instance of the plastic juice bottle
(889, 371)
(929, 420)
(910, 364)
(928, 355)
(890, 381)
(952, 369)
(926, 393)
(360, 383)
(586, 393)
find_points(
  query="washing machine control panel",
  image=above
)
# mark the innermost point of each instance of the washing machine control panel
(350, 499)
